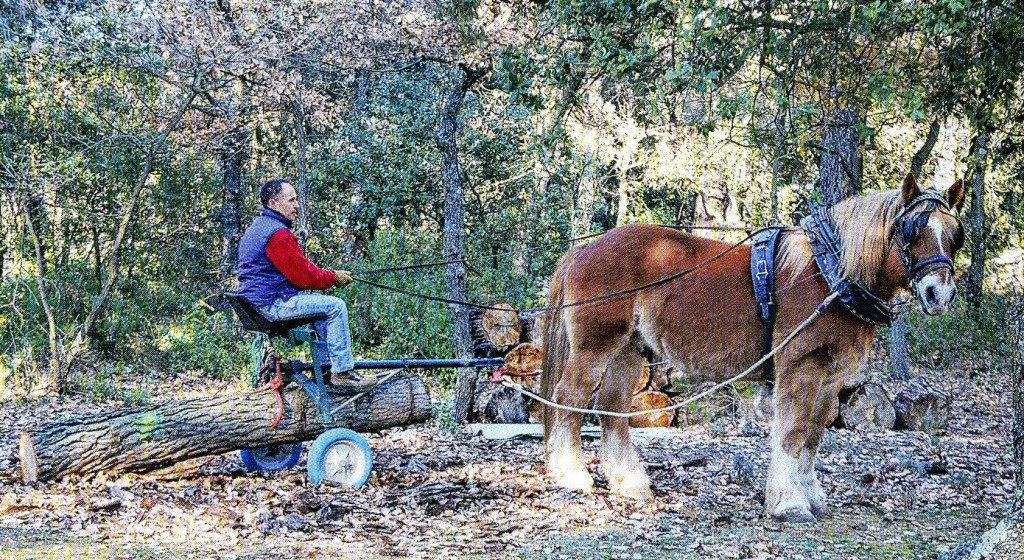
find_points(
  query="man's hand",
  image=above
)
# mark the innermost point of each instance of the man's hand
(343, 278)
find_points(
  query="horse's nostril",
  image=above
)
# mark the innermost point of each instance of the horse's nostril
(929, 295)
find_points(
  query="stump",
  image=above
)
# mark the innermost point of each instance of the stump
(650, 400)
(920, 407)
(867, 407)
(152, 437)
(495, 330)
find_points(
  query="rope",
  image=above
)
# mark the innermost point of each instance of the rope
(573, 241)
(604, 297)
(818, 311)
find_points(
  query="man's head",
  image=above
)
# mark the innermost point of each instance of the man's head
(279, 196)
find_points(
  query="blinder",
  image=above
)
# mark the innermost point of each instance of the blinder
(910, 229)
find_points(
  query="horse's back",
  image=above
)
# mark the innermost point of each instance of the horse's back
(636, 255)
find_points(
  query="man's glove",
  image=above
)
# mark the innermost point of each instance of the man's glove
(343, 278)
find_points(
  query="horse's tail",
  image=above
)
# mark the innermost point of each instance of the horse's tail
(556, 338)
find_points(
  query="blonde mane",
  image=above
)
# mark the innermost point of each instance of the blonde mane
(864, 225)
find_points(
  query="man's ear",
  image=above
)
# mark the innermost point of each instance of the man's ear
(910, 188)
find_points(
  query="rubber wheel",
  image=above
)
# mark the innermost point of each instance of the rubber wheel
(272, 458)
(340, 456)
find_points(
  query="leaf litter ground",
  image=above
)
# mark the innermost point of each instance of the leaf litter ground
(435, 493)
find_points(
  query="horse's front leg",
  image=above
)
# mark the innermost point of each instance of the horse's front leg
(806, 403)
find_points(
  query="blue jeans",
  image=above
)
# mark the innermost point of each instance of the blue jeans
(333, 333)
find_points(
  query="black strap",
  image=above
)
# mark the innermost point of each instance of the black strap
(763, 248)
(827, 248)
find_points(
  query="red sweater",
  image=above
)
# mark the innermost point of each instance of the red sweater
(284, 252)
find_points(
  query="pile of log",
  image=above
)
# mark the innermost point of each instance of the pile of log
(649, 394)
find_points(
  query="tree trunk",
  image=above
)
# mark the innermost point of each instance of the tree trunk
(454, 235)
(231, 160)
(899, 346)
(302, 183)
(152, 437)
(976, 220)
(839, 169)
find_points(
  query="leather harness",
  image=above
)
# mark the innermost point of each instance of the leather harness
(827, 249)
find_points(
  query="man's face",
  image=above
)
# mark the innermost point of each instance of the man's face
(286, 203)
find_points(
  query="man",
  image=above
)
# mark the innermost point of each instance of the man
(273, 273)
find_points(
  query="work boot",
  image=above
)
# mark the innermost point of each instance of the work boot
(351, 380)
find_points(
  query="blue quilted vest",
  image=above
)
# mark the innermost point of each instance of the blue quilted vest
(259, 281)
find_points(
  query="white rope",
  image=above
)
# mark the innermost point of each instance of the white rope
(820, 309)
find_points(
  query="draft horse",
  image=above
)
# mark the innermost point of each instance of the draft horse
(707, 325)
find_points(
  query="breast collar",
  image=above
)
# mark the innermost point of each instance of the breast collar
(827, 249)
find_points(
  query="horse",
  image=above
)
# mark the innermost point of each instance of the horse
(705, 323)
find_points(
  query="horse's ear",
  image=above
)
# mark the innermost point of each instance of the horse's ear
(955, 195)
(910, 188)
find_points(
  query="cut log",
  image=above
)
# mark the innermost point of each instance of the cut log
(650, 400)
(495, 330)
(152, 437)
(532, 323)
(641, 382)
(867, 408)
(497, 404)
(525, 358)
(921, 407)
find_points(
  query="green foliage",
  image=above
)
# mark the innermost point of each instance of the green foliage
(974, 339)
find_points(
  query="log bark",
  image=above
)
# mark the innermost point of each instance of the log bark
(651, 400)
(867, 407)
(152, 437)
(497, 404)
(921, 408)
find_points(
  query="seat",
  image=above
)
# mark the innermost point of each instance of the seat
(253, 320)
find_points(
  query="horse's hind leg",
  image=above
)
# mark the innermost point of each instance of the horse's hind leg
(574, 388)
(619, 458)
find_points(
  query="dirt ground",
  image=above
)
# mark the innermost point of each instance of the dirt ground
(437, 493)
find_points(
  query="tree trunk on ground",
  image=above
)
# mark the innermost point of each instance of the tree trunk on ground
(1006, 540)
(976, 221)
(839, 169)
(899, 346)
(149, 438)
(454, 234)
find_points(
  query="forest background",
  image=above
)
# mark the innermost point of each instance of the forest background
(134, 137)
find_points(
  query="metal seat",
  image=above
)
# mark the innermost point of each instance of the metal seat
(253, 320)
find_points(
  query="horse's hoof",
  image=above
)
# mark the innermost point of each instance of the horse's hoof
(581, 481)
(795, 515)
(640, 491)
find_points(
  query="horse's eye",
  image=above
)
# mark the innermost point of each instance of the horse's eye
(958, 237)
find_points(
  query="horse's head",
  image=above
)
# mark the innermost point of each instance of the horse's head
(927, 235)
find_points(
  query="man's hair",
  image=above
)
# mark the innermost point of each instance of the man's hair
(270, 190)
